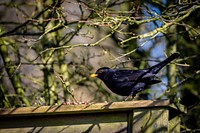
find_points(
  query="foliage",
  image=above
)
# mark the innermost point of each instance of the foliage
(49, 48)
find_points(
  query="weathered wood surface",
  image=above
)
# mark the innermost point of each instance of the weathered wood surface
(85, 108)
(130, 116)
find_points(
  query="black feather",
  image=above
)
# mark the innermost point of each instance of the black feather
(130, 82)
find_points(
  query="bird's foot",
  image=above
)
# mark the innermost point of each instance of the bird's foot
(128, 97)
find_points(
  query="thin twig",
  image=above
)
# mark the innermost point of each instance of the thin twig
(63, 82)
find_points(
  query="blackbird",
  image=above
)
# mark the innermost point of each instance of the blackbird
(130, 82)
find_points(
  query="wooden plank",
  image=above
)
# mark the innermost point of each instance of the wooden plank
(70, 123)
(130, 121)
(71, 109)
(85, 128)
(149, 121)
(174, 124)
(68, 119)
(131, 116)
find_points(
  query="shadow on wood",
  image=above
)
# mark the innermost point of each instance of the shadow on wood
(131, 116)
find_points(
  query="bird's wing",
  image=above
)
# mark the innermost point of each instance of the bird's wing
(133, 75)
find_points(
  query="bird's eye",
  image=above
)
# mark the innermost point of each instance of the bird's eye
(100, 71)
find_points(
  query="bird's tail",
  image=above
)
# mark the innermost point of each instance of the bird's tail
(155, 69)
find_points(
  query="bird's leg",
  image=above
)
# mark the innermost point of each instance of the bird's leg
(127, 97)
(137, 88)
(131, 95)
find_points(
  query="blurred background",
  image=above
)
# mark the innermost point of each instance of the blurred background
(48, 49)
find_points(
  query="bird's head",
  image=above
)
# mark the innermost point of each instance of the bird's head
(102, 73)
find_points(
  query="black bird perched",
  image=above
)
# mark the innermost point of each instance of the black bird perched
(130, 82)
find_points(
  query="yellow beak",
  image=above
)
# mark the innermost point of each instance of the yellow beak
(93, 75)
